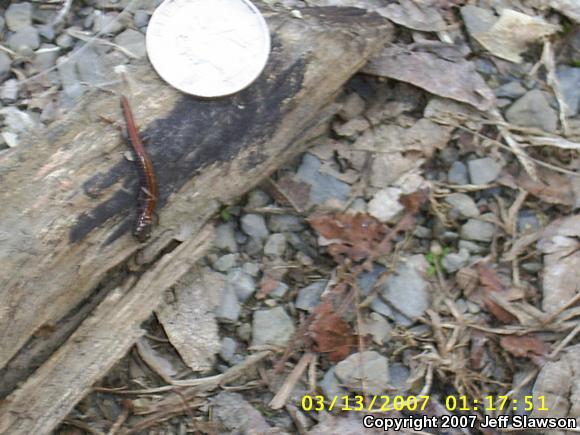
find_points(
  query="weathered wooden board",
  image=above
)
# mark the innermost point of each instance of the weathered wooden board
(69, 200)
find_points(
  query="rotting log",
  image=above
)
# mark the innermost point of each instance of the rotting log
(72, 300)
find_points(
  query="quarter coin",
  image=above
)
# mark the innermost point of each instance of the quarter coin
(208, 48)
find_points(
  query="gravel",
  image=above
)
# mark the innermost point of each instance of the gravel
(274, 327)
(533, 110)
(483, 171)
(309, 296)
(407, 291)
(462, 206)
(369, 368)
(254, 225)
(478, 230)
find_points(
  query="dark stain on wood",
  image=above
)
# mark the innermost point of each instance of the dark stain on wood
(197, 133)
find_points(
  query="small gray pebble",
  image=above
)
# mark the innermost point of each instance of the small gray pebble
(478, 230)
(5, 64)
(463, 205)
(483, 171)
(258, 199)
(229, 308)
(225, 237)
(228, 349)
(458, 174)
(275, 245)
(273, 326)
(242, 283)
(280, 291)
(64, 40)
(10, 90)
(309, 296)
(254, 225)
(133, 41)
(141, 18)
(47, 31)
(226, 262)
(108, 24)
(285, 223)
(455, 261)
(512, 90)
(24, 41)
(252, 269)
(18, 16)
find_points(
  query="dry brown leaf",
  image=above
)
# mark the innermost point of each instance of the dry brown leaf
(414, 15)
(354, 236)
(456, 79)
(477, 351)
(561, 248)
(413, 201)
(330, 333)
(524, 346)
(510, 35)
(491, 287)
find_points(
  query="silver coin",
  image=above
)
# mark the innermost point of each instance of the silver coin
(208, 48)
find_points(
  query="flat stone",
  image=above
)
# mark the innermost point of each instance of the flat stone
(107, 24)
(226, 262)
(254, 225)
(331, 385)
(252, 269)
(483, 171)
(385, 204)
(5, 64)
(285, 223)
(309, 296)
(471, 247)
(133, 41)
(18, 16)
(141, 18)
(275, 245)
(533, 110)
(17, 121)
(10, 90)
(225, 237)
(458, 174)
(513, 89)
(228, 349)
(272, 326)
(91, 67)
(407, 291)
(398, 375)
(323, 187)
(455, 261)
(257, 199)
(368, 368)
(242, 283)
(47, 31)
(477, 230)
(569, 78)
(462, 205)
(229, 309)
(477, 19)
(24, 41)
(280, 291)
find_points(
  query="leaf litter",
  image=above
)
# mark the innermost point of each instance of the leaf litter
(484, 327)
